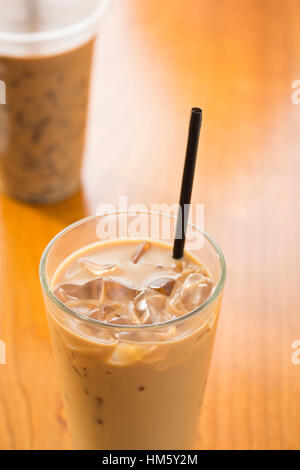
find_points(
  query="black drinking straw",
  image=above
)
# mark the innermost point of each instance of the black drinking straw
(187, 182)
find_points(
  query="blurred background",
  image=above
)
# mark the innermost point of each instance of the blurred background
(153, 61)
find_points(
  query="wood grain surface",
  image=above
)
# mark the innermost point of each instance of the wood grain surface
(154, 60)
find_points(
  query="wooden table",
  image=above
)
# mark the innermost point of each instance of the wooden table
(154, 60)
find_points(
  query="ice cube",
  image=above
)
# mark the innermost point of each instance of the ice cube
(164, 285)
(158, 306)
(178, 266)
(191, 268)
(97, 314)
(98, 269)
(195, 290)
(128, 353)
(117, 290)
(142, 310)
(84, 307)
(97, 332)
(186, 272)
(195, 278)
(121, 313)
(142, 249)
(151, 307)
(113, 308)
(105, 336)
(89, 290)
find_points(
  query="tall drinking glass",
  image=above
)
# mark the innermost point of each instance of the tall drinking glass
(132, 387)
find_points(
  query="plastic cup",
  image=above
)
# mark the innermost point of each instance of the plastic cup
(46, 49)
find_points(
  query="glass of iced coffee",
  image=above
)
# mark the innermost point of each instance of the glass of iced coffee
(132, 328)
(46, 49)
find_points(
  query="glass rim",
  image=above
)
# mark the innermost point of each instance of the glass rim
(49, 292)
(59, 33)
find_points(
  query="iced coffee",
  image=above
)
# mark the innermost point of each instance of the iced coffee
(45, 62)
(133, 359)
(43, 124)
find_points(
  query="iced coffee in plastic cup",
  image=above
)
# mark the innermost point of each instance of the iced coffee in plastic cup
(46, 49)
(132, 330)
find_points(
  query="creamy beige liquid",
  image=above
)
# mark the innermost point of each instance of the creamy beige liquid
(135, 388)
(42, 126)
